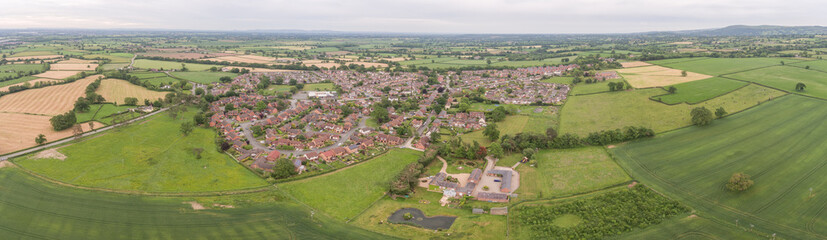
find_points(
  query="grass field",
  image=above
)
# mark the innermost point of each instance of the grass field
(115, 90)
(12, 70)
(203, 77)
(780, 144)
(466, 226)
(701, 90)
(97, 112)
(34, 209)
(691, 227)
(318, 87)
(564, 172)
(512, 124)
(275, 89)
(346, 193)
(785, 77)
(820, 65)
(148, 64)
(719, 66)
(606, 111)
(526, 119)
(151, 156)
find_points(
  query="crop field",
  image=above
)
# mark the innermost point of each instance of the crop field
(691, 227)
(34, 209)
(12, 70)
(820, 65)
(203, 77)
(634, 64)
(52, 100)
(466, 226)
(720, 66)
(57, 74)
(675, 60)
(36, 57)
(562, 172)
(149, 64)
(18, 131)
(73, 66)
(4, 86)
(244, 59)
(780, 144)
(113, 58)
(606, 111)
(346, 193)
(115, 90)
(701, 90)
(785, 77)
(657, 76)
(149, 157)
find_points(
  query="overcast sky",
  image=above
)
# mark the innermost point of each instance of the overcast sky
(424, 16)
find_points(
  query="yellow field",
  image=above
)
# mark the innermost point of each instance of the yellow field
(657, 76)
(32, 82)
(244, 59)
(74, 66)
(57, 74)
(115, 90)
(78, 61)
(635, 64)
(51, 100)
(13, 59)
(18, 131)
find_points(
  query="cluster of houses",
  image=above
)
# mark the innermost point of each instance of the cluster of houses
(467, 121)
(452, 188)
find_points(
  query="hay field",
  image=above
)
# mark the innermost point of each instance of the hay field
(657, 76)
(57, 74)
(14, 59)
(32, 82)
(77, 61)
(115, 90)
(634, 64)
(245, 59)
(18, 131)
(73, 66)
(50, 100)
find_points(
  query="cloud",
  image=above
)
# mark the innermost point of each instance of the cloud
(429, 16)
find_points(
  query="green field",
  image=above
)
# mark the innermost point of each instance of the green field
(786, 77)
(562, 172)
(512, 124)
(16, 81)
(780, 144)
(12, 70)
(318, 87)
(275, 89)
(99, 111)
(151, 156)
(203, 77)
(166, 65)
(34, 209)
(534, 119)
(453, 62)
(607, 111)
(720, 66)
(675, 60)
(701, 90)
(346, 193)
(692, 227)
(820, 65)
(466, 226)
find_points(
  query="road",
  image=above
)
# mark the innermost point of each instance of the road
(245, 127)
(66, 140)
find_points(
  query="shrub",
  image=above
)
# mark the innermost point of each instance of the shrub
(739, 182)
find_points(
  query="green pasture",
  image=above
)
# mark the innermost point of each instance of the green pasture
(167, 65)
(14, 70)
(347, 192)
(150, 156)
(820, 65)
(720, 66)
(203, 77)
(701, 90)
(786, 77)
(99, 111)
(780, 144)
(562, 172)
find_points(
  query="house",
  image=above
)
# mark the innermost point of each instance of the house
(475, 176)
(273, 156)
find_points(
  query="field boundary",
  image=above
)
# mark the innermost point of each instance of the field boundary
(688, 103)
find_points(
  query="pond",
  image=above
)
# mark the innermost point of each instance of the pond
(420, 220)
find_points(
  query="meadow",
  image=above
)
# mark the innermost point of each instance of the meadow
(97, 112)
(148, 64)
(691, 226)
(15, 70)
(525, 119)
(785, 77)
(466, 226)
(203, 77)
(152, 156)
(562, 172)
(701, 90)
(35, 209)
(820, 65)
(720, 66)
(607, 111)
(780, 144)
(345, 193)
(318, 87)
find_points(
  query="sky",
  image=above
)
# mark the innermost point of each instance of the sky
(415, 16)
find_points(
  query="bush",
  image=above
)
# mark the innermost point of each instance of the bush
(63, 121)
(739, 182)
(701, 116)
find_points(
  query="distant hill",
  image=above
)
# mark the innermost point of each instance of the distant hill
(762, 30)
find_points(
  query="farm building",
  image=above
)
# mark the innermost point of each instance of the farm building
(499, 210)
(492, 197)
(506, 179)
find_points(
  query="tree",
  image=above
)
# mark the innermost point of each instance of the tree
(63, 121)
(672, 89)
(551, 133)
(739, 182)
(186, 128)
(800, 87)
(40, 140)
(199, 91)
(529, 152)
(199, 118)
(293, 82)
(82, 105)
(225, 79)
(130, 101)
(498, 114)
(720, 112)
(229, 107)
(380, 115)
(283, 169)
(683, 73)
(495, 150)
(701, 116)
(491, 132)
